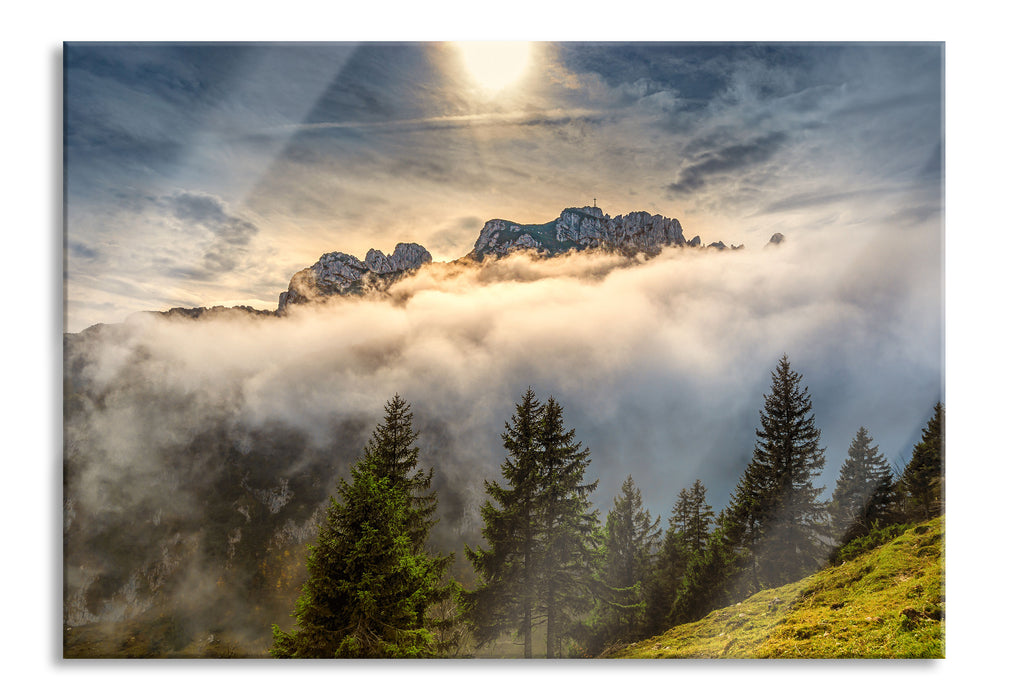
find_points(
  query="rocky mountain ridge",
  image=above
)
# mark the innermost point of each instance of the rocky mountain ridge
(576, 229)
(342, 273)
(579, 228)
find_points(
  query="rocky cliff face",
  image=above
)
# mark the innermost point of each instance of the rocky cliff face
(579, 228)
(341, 273)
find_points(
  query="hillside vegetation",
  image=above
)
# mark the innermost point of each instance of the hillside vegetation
(887, 603)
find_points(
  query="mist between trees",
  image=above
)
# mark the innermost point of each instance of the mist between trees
(556, 579)
(199, 455)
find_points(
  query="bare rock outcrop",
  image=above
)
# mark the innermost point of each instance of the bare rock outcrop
(341, 273)
(579, 228)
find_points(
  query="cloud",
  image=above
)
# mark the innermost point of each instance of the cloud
(515, 118)
(82, 250)
(231, 234)
(185, 434)
(810, 200)
(454, 240)
(727, 160)
(674, 347)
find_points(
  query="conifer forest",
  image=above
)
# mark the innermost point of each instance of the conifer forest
(555, 576)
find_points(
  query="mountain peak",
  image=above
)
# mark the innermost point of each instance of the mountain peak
(579, 228)
(339, 273)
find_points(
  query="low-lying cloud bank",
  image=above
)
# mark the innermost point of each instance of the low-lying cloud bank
(660, 364)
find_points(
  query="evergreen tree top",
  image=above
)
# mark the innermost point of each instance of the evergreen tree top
(371, 580)
(391, 445)
(774, 510)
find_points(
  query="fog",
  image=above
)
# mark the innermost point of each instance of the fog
(660, 365)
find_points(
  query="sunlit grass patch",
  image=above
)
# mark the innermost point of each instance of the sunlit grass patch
(886, 603)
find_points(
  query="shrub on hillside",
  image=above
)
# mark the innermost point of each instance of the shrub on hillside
(876, 537)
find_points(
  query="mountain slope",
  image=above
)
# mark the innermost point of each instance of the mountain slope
(886, 603)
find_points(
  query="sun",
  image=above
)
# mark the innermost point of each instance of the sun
(494, 65)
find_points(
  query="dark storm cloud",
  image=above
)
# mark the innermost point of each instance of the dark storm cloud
(727, 160)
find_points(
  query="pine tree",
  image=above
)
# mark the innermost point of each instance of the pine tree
(392, 450)
(707, 581)
(680, 517)
(923, 480)
(629, 549)
(568, 525)
(748, 516)
(667, 574)
(538, 532)
(864, 491)
(692, 516)
(881, 508)
(370, 579)
(775, 513)
(685, 541)
(505, 598)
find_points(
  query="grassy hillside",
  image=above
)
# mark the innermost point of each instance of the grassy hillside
(887, 603)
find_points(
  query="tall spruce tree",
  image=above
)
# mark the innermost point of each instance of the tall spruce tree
(775, 512)
(923, 482)
(370, 579)
(568, 526)
(863, 494)
(393, 451)
(536, 562)
(508, 567)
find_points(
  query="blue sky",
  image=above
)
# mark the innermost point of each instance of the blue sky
(208, 174)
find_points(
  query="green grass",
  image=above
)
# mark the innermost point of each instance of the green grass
(889, 602)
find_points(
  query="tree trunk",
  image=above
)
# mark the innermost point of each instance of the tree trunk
(551, 622)
(527, 602)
